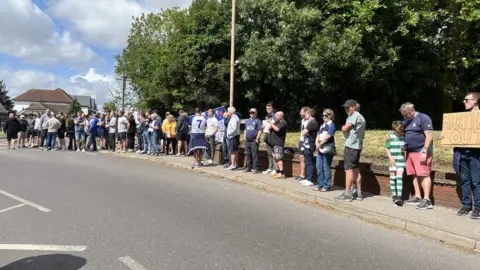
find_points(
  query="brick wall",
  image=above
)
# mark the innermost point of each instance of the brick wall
(375, 178)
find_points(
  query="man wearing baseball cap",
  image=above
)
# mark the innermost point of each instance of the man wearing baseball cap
(353, 132)
(251, 134)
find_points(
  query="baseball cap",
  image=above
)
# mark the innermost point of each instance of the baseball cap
(349, 103)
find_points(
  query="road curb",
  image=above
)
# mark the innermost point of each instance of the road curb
(442, 236)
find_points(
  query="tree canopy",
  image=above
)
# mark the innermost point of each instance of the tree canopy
(74, 108)
(308, 52)
(4, 97)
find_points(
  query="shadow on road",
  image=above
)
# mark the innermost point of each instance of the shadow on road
(48, 262)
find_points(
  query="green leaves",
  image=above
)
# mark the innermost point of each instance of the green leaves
(4, 97)
(74, 108)
(308, 52)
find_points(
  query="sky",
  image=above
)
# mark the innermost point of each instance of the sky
(68, 44)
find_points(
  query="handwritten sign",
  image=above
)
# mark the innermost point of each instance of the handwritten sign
(461, 129)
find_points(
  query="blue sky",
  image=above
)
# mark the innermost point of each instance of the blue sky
(68, 44)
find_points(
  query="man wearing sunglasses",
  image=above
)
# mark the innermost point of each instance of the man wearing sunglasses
(467, 166)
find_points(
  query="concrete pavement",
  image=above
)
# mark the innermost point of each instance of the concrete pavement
(133, 213)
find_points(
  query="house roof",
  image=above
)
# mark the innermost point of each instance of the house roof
(41, 107)
(43, 95)
(85, 101)
(2, 109)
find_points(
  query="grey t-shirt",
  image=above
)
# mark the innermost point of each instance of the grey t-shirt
(113, 126)
(354, 137)
(233, 128)
(122, 124)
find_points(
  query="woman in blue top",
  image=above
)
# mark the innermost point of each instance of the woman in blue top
(101, 131)
(326, 151)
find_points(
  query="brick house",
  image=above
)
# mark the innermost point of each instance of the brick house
(39, 100)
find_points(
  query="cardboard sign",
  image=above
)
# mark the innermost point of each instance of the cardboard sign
(461, 129)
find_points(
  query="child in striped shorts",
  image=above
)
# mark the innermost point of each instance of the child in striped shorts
(396, 155)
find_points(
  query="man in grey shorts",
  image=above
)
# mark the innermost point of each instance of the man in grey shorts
(354, 132)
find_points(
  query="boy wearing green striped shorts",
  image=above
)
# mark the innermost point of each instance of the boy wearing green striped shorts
(396, 155)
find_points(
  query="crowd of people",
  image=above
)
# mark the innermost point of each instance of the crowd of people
(409, 145)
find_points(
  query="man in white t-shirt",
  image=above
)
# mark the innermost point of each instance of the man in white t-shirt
(210, 133)
(122, 131)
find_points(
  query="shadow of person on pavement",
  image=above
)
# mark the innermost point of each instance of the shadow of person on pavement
(48, 262)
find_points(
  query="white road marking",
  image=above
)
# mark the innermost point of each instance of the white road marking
(11, 208)
(131, 263)
(34, 205)
(41, 247)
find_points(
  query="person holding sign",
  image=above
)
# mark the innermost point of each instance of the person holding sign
(467, 166)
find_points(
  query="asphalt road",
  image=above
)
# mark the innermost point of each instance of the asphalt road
(132, 212)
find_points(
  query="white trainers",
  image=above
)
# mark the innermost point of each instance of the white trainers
(83, 150)
(307, 183)
(267, 171)
(78, 150)
(301, 182)
(210, 162)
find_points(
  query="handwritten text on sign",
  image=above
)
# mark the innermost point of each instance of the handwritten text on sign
(461, 129)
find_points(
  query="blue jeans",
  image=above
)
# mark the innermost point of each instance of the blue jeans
(226, 155)
(154, 141)
(147, 142)
(324, 171)
(51, 138)
(309, 165)
(470, 178)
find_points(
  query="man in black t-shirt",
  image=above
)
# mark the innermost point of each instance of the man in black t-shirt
(277, 141)
(309, 135)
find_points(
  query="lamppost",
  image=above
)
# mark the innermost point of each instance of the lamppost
(232, 53)
(123, 79)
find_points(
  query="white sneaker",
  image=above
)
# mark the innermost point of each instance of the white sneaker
(267, 171)
(307, 183)
(302, 182)
(83, 150)
(210, 162)
(78, 150)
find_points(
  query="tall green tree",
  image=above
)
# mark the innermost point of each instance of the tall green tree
(5, 99)
(109, 106)
(74, 108)
(309, 52)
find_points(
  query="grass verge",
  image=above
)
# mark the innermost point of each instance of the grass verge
(374, 148)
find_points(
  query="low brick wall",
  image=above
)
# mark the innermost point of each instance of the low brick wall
(375, 178)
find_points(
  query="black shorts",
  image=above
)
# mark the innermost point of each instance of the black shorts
(122, 136)
(182, 136)
(30, 133)
(37, 133)
(351, 158)
(233, 144)
(61, 134)
(12, 136)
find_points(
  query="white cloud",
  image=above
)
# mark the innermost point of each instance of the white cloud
(28, 33)
(91, 84)
(106, 23)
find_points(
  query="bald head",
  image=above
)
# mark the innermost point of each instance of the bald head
(279, 115)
